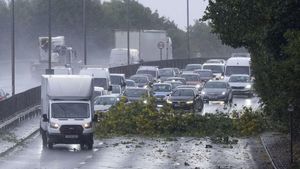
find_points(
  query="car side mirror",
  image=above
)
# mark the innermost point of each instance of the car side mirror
(95, 119)
(110, 88)
(45, 118)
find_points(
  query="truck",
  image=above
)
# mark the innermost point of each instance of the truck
(67, 110)
(237, 65)
(61, 55)
(152, 45)
(118, 57)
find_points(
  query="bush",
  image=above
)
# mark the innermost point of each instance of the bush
(139, 118)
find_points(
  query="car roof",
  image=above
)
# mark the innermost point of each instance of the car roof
(214, 64)
(213, 81)
(172, 81)
(137, 88)
(161, 84)
(203, 70)
(176, 78)
(194, 64)
(110, 95)
(186, 86)
(239, 75)
(117, 74)
(139, 75)
(188, 73)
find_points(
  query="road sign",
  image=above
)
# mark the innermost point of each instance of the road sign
(161, 45)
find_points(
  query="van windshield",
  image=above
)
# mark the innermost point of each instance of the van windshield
(100, 82)
(70, 110)
(115, 80)
(230, 70)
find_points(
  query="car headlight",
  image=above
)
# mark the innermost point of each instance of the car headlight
(248, 86)
(198, 86)
(169, 102)
(54, 125)
(87, 125)
(222, 77)
(145, 101)
(146, 86)
(203, 92)
(223, 93)
(190, 102)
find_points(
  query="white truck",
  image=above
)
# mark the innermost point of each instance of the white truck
(119, 57)
(101, 77)
(147, 42)
(67, 110)
(237, 65)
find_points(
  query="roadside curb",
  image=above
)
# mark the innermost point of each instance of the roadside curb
(21, 141)
(268, 153)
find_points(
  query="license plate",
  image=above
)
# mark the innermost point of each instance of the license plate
(71, 136)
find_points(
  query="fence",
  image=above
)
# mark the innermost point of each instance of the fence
(15, 105)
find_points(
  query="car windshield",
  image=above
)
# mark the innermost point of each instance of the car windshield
(130, 83)
(100, 82)
(239, 79)
(215, 68)
(230, 70)
(215, 85)
(191, 77)
(115, 80)
(192, 67)
(135, 92)
(151, 72)
(70, 110)
(162, 88)
(139, 79)
(165, 72)
(105, 100)
(204, 73)
(116, 89)
(183, 92)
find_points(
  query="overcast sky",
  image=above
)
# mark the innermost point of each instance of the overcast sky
(176, 9)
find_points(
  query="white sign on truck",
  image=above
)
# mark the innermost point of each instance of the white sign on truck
(67, 110)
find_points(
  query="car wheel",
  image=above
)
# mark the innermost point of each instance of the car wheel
(81, 145)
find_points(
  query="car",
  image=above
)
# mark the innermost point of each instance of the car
(174, 83)
(205, 74)
(185, 99)
(3, 94)
(192, 79)
(216, 68)
(140, 80)
(165, 73)
(152, 70)
(130, 83)
(104, 103)
(116, 89)
(192, 67)
(241, 84)
(160, 91)
(118, 79)
(216, 61)
(133, 94)
(181, 79)
(217, 90)
(189, 86)
(177, 71)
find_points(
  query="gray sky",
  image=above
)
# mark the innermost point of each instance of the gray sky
(176, 9)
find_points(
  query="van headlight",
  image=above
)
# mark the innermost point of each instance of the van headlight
(87, 125)
(190, 102)
(223, 93)
(54, 125)
(248, 86)
(198, 86)
(222, 77)
(169, 102)
(145, 101)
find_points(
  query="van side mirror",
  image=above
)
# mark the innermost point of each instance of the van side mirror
(45, 118)
(110, 88)
(95, 119)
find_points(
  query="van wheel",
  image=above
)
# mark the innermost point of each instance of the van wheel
(90, 146)
(81, 146)
(50, 145)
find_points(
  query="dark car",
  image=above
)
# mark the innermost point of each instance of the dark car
(174, 84)
(190, 86)
(185, 99)
(118, 79)
(130, 83)
(205, 74)
(165, 73)
(141, 80)
(217, 90)
(192, 79)
(192, 67)
(136, 94)
(160, 91)
(181, 79)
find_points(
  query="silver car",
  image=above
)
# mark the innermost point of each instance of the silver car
(241, 84)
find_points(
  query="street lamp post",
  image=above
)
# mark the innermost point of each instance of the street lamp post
(290, 110)
(128, 32)
(188, 28)
(13, 47)
(84, 31)
(49, 70)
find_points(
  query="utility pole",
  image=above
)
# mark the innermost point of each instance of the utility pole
(128, 33)
(13, 47)
(188, 28)
(84, 31)
(49, 70)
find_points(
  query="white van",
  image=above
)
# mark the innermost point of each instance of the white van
(100, 76)
(118, 57)
(237, 65)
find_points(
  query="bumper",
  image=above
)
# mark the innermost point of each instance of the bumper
(69, 139)
(215, 98)
(182, 106)
(241, 92)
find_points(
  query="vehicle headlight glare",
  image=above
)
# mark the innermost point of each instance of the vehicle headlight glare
(223, 93)
(54, 125)
(198, 86)
(190, 102)
(248, 86)
(145, 101)
(169, 102)
(203, 92)
(87, 125)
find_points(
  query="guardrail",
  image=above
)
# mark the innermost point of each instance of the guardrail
(17, 104)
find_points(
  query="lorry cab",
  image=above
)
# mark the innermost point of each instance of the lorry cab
(237, 65)
(101, 77)
(67, 110)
